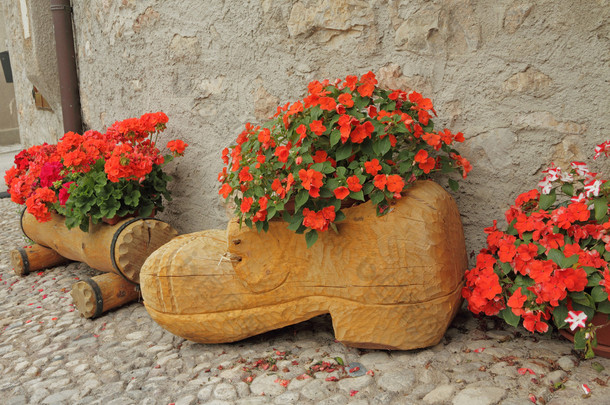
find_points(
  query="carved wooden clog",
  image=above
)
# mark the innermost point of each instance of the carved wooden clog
(388, 282)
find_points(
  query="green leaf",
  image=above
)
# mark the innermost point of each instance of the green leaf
(506, 268)
(339, 361)
(568, 189)
(568, 262)
(384, 145)
(339, 216)
(598, 294)
(344, 151)
(341, 171)
(317, 167)
(588, 307)
(301, 199)
(594, 279)
(331, 184)
(295, 222)
(597, 367)
(601, 208)
(604, 307)
(146, 209)
(556, 256)
(357, 195)
(311, 237)
(560, 314)
(454, 185)
(133, 199)
(546, 200)
(367, 188)
(510, 318)
(579, 340)
(335, 137)
(377, 197)
(328, 168)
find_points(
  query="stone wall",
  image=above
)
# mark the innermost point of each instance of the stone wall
(527, 82)
(31, 46)
(9, 125)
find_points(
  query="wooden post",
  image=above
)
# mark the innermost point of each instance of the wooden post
(391, 282)
(92, 297)
(34, 258)
(119, 248)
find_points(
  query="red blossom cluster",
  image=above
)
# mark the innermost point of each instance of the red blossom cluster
(348, 139)
(43, 174)
(553, 257)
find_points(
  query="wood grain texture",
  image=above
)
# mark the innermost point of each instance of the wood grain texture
(388, 282)
(34, 258)
(134, 242)
(102, 293)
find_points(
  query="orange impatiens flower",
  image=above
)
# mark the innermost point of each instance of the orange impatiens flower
(395, 183)
(225, 190)
(282, 153)
(368, 85)
(346, 100)
(421, 156)
(380, 181)
(318, 220)
(353, 183)
(277, 187)
(341, 192)
(245, 175)
(246, 204)
(350, 82)
(433, 140)
(424, 162)
(516, 301)
(372, 167)
(311, 181)
(327, 103)
(317, 127)
(361, 132)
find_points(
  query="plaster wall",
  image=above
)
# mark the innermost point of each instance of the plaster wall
(9, 125)
(31, 45)
(527, 82)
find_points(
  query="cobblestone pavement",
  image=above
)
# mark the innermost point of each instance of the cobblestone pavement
(51, 355)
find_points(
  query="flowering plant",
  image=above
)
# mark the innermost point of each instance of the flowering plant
(95, 176)
(345, 140)
(552, 260)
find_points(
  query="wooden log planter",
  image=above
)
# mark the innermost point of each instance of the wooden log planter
(390, 282)
(34, 258)
(120, 248)
(92, 297)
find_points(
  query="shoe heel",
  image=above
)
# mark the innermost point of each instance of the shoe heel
(394, 327)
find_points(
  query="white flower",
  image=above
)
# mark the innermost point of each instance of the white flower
(553, 173)
(576, 319)
(578, 198)
(545, 186)
(602, 148)
(566, 177)
(592, 188)
(580, 168)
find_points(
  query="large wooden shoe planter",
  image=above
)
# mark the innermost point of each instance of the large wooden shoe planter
(390, 282)
(119, 249)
